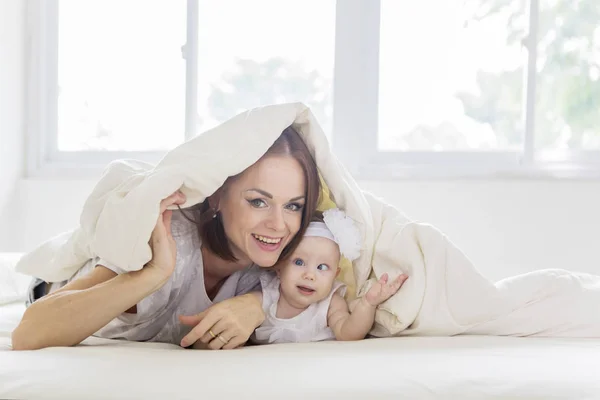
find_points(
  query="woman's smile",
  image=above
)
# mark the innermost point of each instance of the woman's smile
(267, 243)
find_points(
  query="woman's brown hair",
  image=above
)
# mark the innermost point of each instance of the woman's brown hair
(210, 225)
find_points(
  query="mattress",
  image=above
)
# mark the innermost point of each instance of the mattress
(461, 367)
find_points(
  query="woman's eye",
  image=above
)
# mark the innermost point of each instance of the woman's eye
(294, 207)
(257, 203)
(323, 267)
(299, 262)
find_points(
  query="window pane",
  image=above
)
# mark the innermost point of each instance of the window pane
(121, 74)
(568, 97)
(451, 75)
(260, 52)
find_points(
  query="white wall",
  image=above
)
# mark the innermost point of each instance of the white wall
(504, 226)
(12, 43)
(509, 227)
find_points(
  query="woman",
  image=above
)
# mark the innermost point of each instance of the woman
(253, 220)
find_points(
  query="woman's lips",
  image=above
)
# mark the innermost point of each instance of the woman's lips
(267, 246)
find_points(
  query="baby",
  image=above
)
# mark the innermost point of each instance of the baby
(302, 300)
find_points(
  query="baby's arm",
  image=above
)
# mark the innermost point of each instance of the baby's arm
(348, 326)
(355, 326)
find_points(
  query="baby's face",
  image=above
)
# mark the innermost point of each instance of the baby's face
(308, 275)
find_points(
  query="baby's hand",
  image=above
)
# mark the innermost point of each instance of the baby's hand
(380, 291)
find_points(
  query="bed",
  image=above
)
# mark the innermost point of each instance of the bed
(459, 367)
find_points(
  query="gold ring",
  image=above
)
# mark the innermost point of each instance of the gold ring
(222, 340)
(212, 334)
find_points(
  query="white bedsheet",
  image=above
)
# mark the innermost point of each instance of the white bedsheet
(461, 367)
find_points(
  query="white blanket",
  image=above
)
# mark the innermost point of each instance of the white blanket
(445, 294)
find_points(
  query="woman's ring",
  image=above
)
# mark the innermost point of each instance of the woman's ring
(222, 340)
(212, 334)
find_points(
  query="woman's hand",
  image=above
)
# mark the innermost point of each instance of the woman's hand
(164, 249)
(381, 290)
(225, 325)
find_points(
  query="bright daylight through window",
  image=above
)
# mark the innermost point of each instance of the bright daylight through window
(511, 84)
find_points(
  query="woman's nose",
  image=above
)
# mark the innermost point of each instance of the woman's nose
(276, 221)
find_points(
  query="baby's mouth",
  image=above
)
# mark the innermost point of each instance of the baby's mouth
(305, 290)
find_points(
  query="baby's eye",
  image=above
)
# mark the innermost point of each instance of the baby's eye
(299, 262)
(323, 267)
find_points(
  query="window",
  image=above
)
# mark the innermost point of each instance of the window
(121, 75)
(135, 78)
(264, 52)
(475, 88)
(568, 84)
(438, 71)
(428, 88)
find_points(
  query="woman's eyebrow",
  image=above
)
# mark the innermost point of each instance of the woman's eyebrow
(270, 196)
(266, 194)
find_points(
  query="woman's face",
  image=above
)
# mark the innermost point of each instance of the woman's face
(262, 209)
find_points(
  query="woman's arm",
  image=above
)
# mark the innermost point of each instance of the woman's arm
(83, 306)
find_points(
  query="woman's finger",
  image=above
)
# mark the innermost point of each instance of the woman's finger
(219, 341)
(207, 337)
(167, 215)
(196, 333)
(192, 320)
(159, 228)
(234, 343)
(176, 198)
(163, 222)
(215, 330)
(165, 203)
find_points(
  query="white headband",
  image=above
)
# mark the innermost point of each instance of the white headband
(319, 229)
(340, 229)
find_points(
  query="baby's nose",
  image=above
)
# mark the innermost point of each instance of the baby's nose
(309, 275)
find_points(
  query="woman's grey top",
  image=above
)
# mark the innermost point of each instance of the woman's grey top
(156, 319)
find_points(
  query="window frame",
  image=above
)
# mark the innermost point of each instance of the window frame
(355, 124)
(44, 160)
(355, 109)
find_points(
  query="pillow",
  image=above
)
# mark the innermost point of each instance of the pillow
(13, 285)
